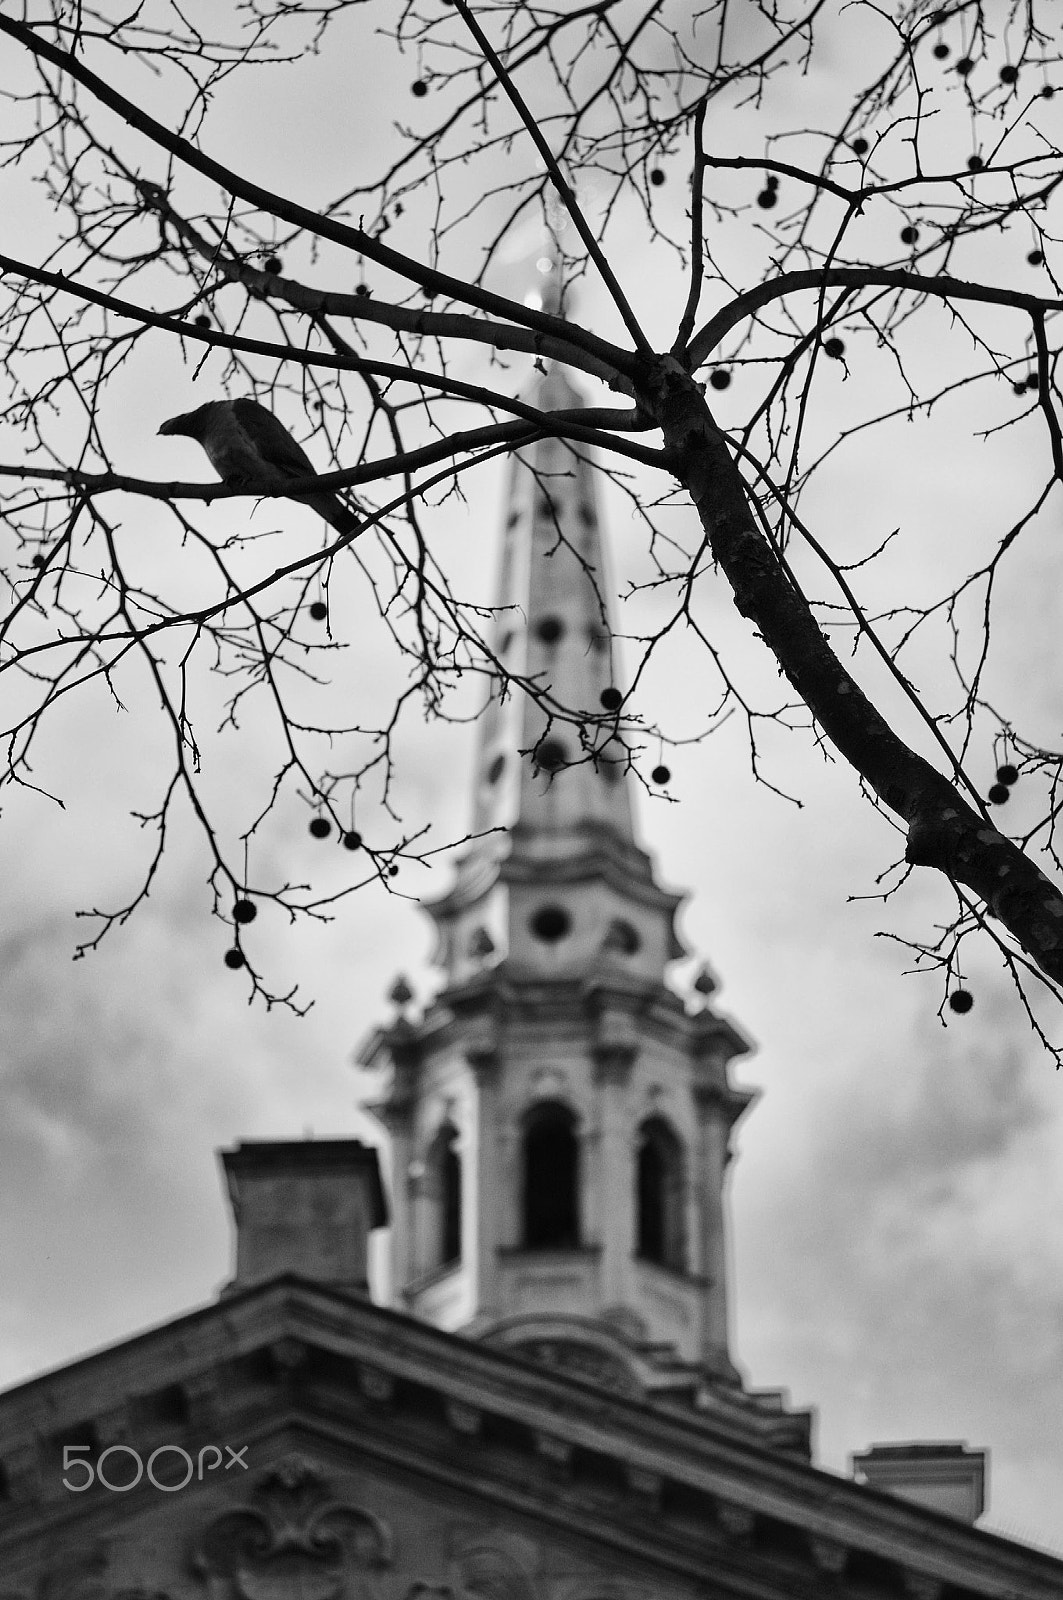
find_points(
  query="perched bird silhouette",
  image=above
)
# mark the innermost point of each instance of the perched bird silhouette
(250, 450)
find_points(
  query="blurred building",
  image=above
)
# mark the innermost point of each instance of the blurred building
(549, 1407)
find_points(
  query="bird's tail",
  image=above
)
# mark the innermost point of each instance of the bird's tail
(336, 514)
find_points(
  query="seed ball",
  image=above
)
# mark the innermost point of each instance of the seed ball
(720, 378)
(320, 827)
(1018, 388)
(1008, 774)
(419, 89)
(975, 163)
(771, 181)
(271, 264)
(393, 870)
(835, 348)
(244, 911)
(1033, 381)
(202, 321)
(611, 699)
(319, 610)
(999, 794)
(1047, 92)
(909, 235)
(1036, 258)
(964, 65)
(1009, 74)
(766, 199)
(961, 1000)
(661, 774)
(657, 177)
(40, 560)
(941, 50)
(860, 147)
(362, 289)
(352, 840)
(234, 958)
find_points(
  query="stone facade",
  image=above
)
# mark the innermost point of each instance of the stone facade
(300, 1443)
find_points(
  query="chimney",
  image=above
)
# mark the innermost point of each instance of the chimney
(304, 1206)
(943, 1477)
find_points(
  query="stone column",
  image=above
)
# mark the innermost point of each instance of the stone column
(712, 1156)
(486, 1200)
(615, 1050)
(398, 1120)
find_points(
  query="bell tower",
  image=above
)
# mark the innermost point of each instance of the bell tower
(560, 1119)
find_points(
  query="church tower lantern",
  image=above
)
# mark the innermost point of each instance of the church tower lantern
(560, 1119)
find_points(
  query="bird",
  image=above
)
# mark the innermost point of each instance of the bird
(251, 450)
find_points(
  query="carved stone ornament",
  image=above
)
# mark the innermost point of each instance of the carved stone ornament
(580, 1359)
(22, 1469)
(644, 1482)
(558, 1452)
(828, 1554)
(601, 1588)
(626, 1322)
(375, 1384)
(495, 1565)
(201, 1394)
(295, 1540)
(735, 1520)
(919, 1586)
(464, 1419)
(484, 1566)
(287, 1355)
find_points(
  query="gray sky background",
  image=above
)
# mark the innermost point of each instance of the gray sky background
(897, 1199)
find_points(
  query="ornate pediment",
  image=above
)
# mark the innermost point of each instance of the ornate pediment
(580, 1358)
(495, 1565)
(293, 1539)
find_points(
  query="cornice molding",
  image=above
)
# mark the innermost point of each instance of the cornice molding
(408, 1359)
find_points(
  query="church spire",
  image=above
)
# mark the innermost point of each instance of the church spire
(552, 780)
(552, 631)
(552, 765)
(560, 1118)
(552, 786)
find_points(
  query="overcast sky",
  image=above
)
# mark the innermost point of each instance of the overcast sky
(898, 1194)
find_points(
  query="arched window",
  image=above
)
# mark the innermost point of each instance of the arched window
(551, 1179)
(444, 1189)
(661, 1231)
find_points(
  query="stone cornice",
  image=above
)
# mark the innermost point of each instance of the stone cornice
(503, 997)
(390, 1354)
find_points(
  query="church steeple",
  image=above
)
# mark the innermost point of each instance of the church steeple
(560, 1118)
(552, 790)
(553, 630)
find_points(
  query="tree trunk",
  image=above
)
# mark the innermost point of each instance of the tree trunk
(944, 831)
